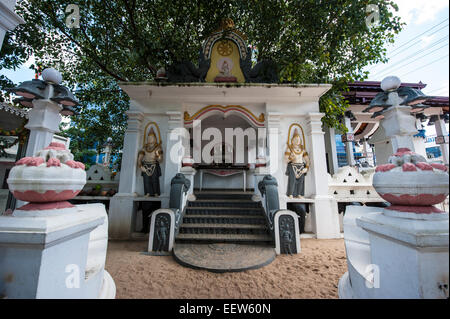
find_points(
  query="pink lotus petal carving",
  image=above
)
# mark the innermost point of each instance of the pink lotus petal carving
(409, 167)
(23, 160)
(71, 164)
(385, 167)
(80, 165)
(53, 162)
(439, 167)
(35, 161)
(424, 166)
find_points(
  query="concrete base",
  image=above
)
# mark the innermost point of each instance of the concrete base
(57, 253)
(395, 257)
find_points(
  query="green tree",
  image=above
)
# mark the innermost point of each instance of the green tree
(312, 41)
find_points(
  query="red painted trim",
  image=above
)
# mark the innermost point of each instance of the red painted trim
(415, 209)
(414, 200)
(46, 206)
(48, 196)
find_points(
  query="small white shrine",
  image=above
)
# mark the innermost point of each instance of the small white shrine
(192, 120)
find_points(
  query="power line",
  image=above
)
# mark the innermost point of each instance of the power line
(425, 65)
(420, 35)
(415, 53)
(401, 66)
(416, 38)
(438, 90)
(418, 42)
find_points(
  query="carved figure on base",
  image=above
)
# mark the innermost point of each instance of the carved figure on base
(297, 167)
(148, 162)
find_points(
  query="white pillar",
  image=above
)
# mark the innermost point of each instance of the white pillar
(8, 18)
(173, 153)
(399, 125)
(276, 147)
(349, 145)
(43, 122)
(441, 130)
(131, 146)
(324, 210)
(121, 210)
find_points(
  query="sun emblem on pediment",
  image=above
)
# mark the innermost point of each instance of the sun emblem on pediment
(224, 48)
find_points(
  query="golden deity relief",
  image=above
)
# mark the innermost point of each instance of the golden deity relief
(148, 161)
(298, 164)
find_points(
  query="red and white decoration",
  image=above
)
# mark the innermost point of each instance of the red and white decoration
(48, 179)
(411, 184)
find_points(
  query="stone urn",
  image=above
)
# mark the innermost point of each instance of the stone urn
(48, 179)
(411, 184)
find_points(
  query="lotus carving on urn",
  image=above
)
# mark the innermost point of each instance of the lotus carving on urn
(49, 177)
(411, 184)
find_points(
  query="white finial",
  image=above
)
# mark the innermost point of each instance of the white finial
(390, 83)
(52, 75)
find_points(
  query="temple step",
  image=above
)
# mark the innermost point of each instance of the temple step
(224, 226)
(217, 195)
(224, 211)
(221, 219)
(224, 216)
(222, 238)
(224, 203)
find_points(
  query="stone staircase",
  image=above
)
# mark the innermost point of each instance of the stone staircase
(223, 216)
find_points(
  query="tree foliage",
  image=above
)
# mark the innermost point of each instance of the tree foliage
(312, 41)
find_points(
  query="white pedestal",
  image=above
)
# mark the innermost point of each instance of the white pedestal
(56, 253)
(410, 254)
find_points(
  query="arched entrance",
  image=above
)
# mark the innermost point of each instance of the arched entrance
(228, 145)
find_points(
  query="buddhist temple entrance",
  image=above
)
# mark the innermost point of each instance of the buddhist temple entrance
(228, 147)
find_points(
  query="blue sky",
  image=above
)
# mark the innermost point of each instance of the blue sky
(420, 51)
(413, 58)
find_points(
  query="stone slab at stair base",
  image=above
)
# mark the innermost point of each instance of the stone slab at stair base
(412, 255)
(223, 257)
(41, 252)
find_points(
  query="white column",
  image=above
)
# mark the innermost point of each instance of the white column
(122, 208)
(43, 122)
(131, 146)
(8, 18)
(441, 130)
(173, 153)
(399, 126)
(275, 148)
(324, 210)
(349, 145)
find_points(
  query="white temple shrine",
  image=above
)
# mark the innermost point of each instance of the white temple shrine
(224, 155)
(187, 117)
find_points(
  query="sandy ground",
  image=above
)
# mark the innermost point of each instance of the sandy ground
(314, 273)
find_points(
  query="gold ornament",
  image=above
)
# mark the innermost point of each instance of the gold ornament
(224, 48)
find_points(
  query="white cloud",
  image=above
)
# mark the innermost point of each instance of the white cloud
(420, 11)
(426, 40)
